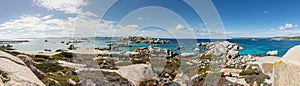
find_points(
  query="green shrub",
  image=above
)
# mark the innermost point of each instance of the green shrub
(14, 53)
(63, 80)
(203, 70)
(250, 72)
(173, 65)
(41, 56)
(49, 67)
(138, 62)
(63, 56)
(39, 59)
(209, 56)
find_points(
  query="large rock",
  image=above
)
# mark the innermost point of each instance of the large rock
(27, 60)
(137, 73)
(272, 53)
(52, 82)
(30, 63)
(71, 82)
(16, 72)
(287, 69)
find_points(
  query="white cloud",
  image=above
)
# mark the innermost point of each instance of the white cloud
(46, 25)
(142, 18)
(67, 6)
(130, 27)
(33, 26)
(281, 31)
(86, 24)
(287, 26)
(272, 29)
(48, 17)
(180, 27)
(37, 23)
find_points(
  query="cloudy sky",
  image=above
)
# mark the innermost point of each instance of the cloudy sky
(157, 18)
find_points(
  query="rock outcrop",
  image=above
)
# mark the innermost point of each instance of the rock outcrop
(225, 55)
(14, 72)
(105, 63)
(272, 53)
(52, 82)
(27, 60)
(286, 70)
(137, 73)
(30, 64)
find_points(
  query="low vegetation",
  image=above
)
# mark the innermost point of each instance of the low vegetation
(293, 38)
(250, 72)
(14, 53)
(49, 67)
(142, 61)
(42, 56)
(62, 79)
(139, 62)
(255, 74)
(64, 56)
(39, 59)
(57, 72)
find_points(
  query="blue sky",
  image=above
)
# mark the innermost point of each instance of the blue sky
(257, 14)
(158, 18)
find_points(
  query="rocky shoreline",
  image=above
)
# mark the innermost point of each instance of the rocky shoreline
(151, 66)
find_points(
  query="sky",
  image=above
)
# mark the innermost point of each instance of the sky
(156, 18)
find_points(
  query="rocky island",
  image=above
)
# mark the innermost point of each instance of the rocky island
(286, 38)
(139, 39)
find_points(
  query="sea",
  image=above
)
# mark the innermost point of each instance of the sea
(252, 47)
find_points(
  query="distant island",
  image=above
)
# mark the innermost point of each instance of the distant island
(293, 38)
(286, 38)
(271, 38)
(139, 39)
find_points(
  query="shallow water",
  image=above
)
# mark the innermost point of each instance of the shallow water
(261, 46)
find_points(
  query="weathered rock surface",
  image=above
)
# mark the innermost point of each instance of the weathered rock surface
(30, 63)
(52, 82)
(27, 60)
(14, 72)
(137, 73)
(225, 55)
(286, 70)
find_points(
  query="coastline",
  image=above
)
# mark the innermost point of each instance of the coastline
(258, 47)
(218, 60)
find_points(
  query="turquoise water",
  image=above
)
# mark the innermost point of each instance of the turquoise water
(38, 45)
(261, 46)
(188, 44)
